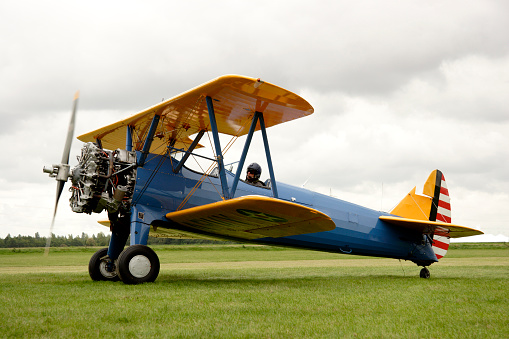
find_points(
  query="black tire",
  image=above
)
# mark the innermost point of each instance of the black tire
(97, 267)
(425, 273)
(138, 264)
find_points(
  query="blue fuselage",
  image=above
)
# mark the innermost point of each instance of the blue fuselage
(358, 229)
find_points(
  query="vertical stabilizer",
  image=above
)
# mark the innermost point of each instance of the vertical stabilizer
(433, 205)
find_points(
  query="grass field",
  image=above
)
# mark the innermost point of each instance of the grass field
(240, 291)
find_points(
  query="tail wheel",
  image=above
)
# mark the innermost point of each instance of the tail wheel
(101, 268)
(138, 264)
(425, 273)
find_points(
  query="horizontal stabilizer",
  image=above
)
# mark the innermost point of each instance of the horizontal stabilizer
(251, 217)
(432, 227)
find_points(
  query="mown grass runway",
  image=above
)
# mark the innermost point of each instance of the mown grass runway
(259, 292)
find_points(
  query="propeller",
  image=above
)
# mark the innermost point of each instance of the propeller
(61, 171)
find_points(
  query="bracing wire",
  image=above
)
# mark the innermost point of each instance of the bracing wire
(206, 173)
(197, 103)
(426, 216)
(402, 268)
(443, 219)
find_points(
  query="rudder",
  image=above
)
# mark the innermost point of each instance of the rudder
(441, 204)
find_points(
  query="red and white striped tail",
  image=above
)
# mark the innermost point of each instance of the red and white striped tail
(440, 245)
(443, 214)
(444, 203)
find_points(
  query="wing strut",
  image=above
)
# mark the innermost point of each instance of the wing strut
(219, 154)
(148, 140)
(267, 153)
(258, 116)
(244, 154)
(129, 139)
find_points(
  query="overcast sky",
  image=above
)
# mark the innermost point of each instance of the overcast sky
(399, 88)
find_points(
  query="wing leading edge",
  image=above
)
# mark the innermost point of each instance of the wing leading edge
(251, 217)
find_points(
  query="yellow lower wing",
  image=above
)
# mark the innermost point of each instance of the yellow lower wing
(251, 217)
(432, 227)
(159, 232)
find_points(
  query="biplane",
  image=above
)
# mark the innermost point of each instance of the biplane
(136, 170)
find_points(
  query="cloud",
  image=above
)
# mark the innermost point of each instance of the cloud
(471, 87)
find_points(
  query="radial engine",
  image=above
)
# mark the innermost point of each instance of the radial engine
(103, 180)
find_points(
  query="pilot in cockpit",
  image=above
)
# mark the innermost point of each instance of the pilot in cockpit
(253, 175)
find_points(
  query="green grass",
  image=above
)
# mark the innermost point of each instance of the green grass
(258, 292)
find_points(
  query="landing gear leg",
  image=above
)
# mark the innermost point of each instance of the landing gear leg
(424, 273)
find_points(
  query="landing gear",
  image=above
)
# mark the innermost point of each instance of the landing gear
(138, 264)
(101, 267)
(424, 273)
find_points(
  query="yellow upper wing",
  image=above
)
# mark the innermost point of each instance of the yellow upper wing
(235, 99)
(251, 217)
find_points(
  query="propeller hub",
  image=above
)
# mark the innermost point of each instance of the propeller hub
(51, 170)
(58, 171)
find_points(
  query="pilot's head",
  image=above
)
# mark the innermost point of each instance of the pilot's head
(253, 172)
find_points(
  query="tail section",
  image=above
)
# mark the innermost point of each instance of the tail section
(433, 205)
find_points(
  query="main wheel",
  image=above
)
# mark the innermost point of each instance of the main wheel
(100, 267)
(138, 264)
(425, 273)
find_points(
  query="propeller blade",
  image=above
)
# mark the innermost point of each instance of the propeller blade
(65, 160)
(70, 131)
(60, 187)
(48, 240)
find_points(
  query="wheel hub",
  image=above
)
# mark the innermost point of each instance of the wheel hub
(105, 269)
(139, 266)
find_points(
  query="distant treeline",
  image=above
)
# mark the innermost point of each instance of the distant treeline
(85, 240)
